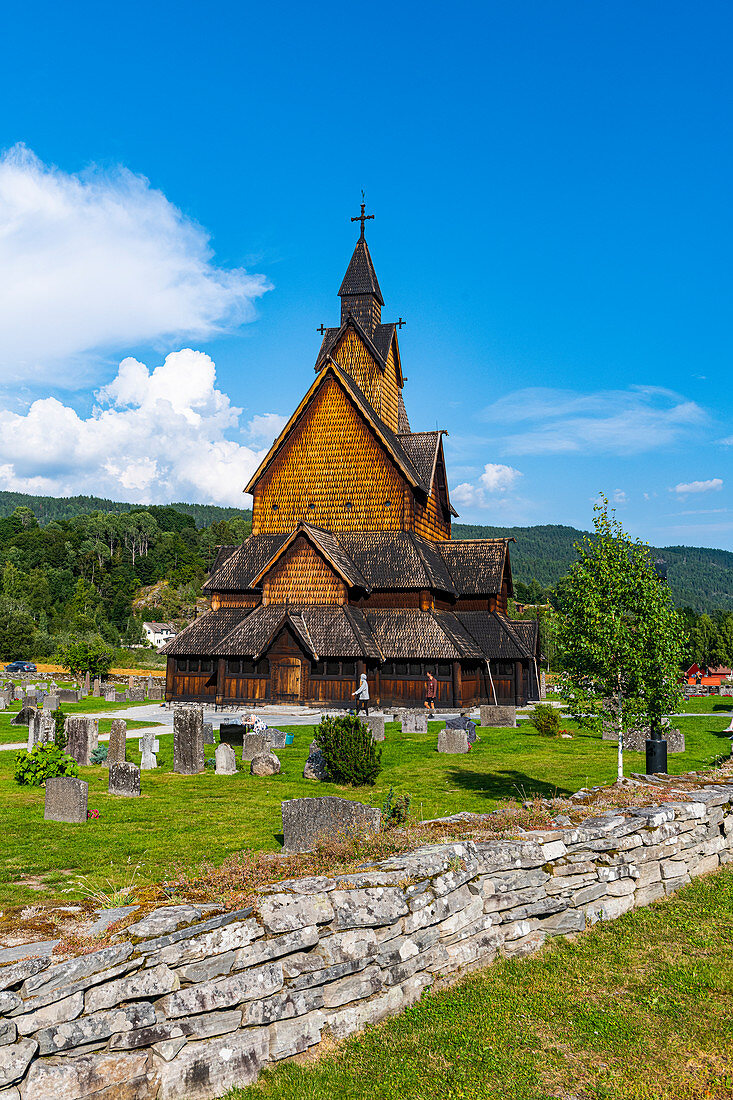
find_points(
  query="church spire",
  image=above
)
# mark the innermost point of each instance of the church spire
(359, 292)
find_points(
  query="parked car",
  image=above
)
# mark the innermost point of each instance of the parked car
(20, 666)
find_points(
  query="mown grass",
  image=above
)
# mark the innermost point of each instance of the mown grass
(180, 822)
(635, 1009)
(708, 704)
(10, 735)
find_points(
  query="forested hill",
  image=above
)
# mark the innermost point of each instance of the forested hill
(699, 577)
(50, 509)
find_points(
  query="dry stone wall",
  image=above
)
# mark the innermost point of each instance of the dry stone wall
(192, 1000)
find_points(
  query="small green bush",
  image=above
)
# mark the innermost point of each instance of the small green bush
(99, 756)
(45, 761)
(395, 811)
(349, 751)
(59, 732)
(546, 720)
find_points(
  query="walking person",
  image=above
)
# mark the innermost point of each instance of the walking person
(431, 690)
(362, 695)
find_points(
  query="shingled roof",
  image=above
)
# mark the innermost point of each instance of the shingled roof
(494, 635)
(360, 277)
(325, 630)
(476, 566)
(329, 547)
(236, 571)
(397, 559)
(206, 632)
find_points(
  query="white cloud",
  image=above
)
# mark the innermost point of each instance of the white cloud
(265, 427)
(153, 437)
(99, 261)
(619, 497)
(713, 486)
(641, 418)
(495, 480)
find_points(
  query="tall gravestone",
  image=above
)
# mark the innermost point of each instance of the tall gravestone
(66, 800)
(23, 717)
(97, 688)
(136, 694)
(82, 737)
(226, 763)
(375, 723)
(117, 750)
(41, 728)
(188, 740)
(208, 733)
(50, 703)
(124, 779)
(149, 746)
(110, 695)
(87, 683)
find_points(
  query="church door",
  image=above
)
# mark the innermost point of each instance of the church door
(287, 680)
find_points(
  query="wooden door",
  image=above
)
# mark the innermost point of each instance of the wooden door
(287, 680)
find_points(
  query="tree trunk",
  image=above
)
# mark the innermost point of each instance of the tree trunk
(620, 738)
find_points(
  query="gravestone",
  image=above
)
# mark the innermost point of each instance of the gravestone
(3, 703)
(226, 762)
(136, 695)
(414, 721)
(453, 741)
(149, 684)
(208, 733)
(82, 737)
(66, 695)
(97, 688)
(265, 763)
(463, 723)
(50, 703)
(23, 717)
(66, 800)
(496, 716)
(130, 682)
(87, 683)
(315, 765)
(149, 746)
(157, 691)
(41, 728)
(307, 819)
(188, 740)
(277, 738)
(124, 779)
(543, 686)
(110, 695)
(375, 723)
(117, 750)
(635, 739)
(253, 744)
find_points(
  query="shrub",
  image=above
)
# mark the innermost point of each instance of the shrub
(80, 655)
(349, 751)
(395, 811)
(45, 761)
(99, 756)
(546, 720)
(59, 733)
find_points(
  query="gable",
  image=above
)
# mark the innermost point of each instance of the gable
(302, 576)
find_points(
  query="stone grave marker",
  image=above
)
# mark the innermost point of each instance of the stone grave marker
(307, 819)
(87, 683)
(149, 746)
(208, 733)
(265, 763)
(66, 800)
(463, 723)
(253, 744)
(188, 740)
(117, 750)
(136, 695)
(157, 691)
(414, 721)
(124, 779)
(543, 685)
(67, 695)
(23, 717)
(375, 723)
(453, 741)
(226, 762)
(498, 716)
(130, 682)
(315, 765)
(3, 703)
(97, 687)
(82, 737)
(41, 727)
(150, 684)
(110, 695)
(277, 738)
(51, 702)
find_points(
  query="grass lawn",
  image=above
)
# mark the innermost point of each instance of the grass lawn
(182, 821)
(9, 735)
(635, 1009)
(708, 704)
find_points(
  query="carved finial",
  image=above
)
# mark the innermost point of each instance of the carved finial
(362, 217)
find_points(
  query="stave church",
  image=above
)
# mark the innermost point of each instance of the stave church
(350, 566)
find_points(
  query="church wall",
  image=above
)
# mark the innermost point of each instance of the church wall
(428, 520)
(390, 393)
(302, 576)
(352, 355)
(330, 461)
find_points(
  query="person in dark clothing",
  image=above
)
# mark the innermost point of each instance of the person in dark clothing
(431, 690)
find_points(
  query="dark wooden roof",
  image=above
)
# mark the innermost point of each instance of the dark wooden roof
(403, 422)
(324, 631)
(204, 635)
(360, 277)
(397, 559)
(494, 635)
(527, 630)
(422, 447)
(326, 544)
(236, 572)
(476, 566)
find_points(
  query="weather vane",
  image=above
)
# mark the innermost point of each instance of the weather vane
(362, 217)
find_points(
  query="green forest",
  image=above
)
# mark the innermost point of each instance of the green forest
(93, 568)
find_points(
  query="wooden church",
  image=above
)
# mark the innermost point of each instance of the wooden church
(350, 566)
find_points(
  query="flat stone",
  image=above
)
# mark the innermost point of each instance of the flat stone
(101, 1076)
(235, 936)
(66, 800)
(58, 1012)
(124, 779)
(265, 763)
(8, 1001)
(277, 738)
(291, 1037)
(414, 721)
(27, 951)
(154, 982)
(498, 716)
(169, 918)
(106, 917)
(95, 1027)
(368, 908)
(254, 744)
(66, 973)
(117, 748)
(190, 1027)
(8, 1034)
(305, 820)
(453, 741)
(250, 985)
(374, 722)
(210, 1068)
(226, 761)
(286, 913)
(315, 765)
(17, 973)
(14, 1060)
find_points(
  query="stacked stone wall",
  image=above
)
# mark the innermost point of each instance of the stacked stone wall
(192, 1000)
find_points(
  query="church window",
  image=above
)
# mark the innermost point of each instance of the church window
(275, 507)
(348, 506)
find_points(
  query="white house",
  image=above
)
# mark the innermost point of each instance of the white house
(158, 634)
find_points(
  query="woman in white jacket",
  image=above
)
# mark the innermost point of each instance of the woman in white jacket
(362, 694)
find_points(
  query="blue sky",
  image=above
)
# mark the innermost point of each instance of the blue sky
(551, 184)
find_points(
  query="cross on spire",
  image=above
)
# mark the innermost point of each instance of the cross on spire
(362, 218)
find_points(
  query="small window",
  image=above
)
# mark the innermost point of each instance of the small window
(311, 507)
(348, 668)
(248, 668)
(207, 665)
(332, 668)
(444, 670)
(401, 668)
(275, 507)
(263, 667)
(234, 666)
(416, 668)
(388, 504)
(348, 506)
(182, 664)
(317, 668)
